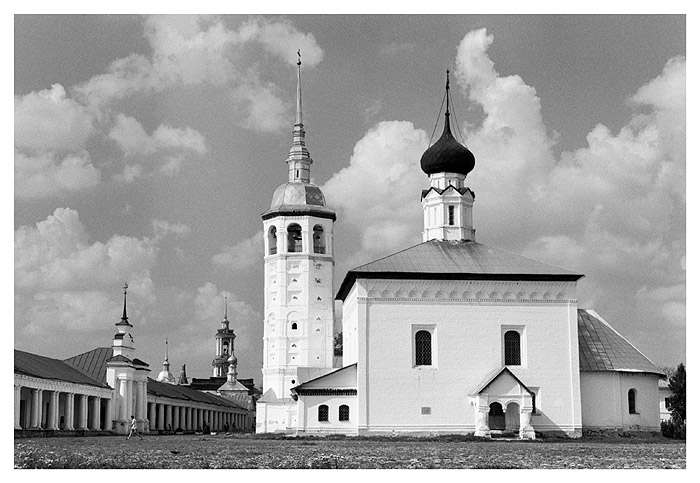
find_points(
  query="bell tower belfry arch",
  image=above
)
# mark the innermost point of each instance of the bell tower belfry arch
(298, 319)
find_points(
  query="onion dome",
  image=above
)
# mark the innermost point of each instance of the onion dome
(447, 155)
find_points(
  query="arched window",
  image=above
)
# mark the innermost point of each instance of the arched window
(225, 347)
(423, 348)
(294, 238)
(294, 326)
(511, 347)
(272, 240)
(323, 412)
(632, 401)
(344, 413)
(319, 242)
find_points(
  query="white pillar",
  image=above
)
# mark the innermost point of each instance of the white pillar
(129, 398)
(51, 422)
(482, 422)
(82, 424)
(152, 417)
(160, 410)
(35, 420)
(123, 396)
(95, 423)
(70, 411)
(526, 429)
(18, 403)
(168, 416)
(176, 417)
(107, 423)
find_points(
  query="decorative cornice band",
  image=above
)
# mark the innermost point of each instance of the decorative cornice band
(325, 392)
(468, 301)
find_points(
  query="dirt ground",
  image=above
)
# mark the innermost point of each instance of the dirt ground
(229, 451)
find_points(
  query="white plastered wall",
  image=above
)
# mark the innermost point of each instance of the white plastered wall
(467, 346)
(604, 401)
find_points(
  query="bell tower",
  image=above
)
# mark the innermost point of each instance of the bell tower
(224, 346)
(298, 243)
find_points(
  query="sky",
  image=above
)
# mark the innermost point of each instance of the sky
(147, 147)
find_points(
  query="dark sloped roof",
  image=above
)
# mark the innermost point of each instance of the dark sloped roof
(456, 260)
(602, 348)
(93, 363)
(183, 392)
(54, 369)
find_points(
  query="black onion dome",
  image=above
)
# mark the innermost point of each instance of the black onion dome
(447, 155)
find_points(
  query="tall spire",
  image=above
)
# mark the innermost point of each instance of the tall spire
(299, 118)
(165, 375)
(447, 110)
(225, 322)
(125, 319)
(299, 160)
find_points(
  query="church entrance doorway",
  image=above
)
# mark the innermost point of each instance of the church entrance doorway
(497, 418)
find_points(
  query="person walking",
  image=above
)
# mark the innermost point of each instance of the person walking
(133, 430)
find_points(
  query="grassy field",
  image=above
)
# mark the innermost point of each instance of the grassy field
(228, 451)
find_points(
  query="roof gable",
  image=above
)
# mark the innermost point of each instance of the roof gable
(456, 260)
(343, 378)
(47, 368)
(501, 381)
(602, 348)
(93, 363)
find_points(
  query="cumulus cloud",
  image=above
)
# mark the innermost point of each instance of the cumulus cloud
(201, 50)
(49, 121)
(44, 175)
(378, 193)
(163, 228)
(242, 255)
(163, 151)
(64, 278)
(50, 135)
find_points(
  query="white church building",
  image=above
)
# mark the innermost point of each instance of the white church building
(447, 336)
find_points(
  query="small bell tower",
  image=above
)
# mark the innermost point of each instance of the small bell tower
(447, 204)
(225, 338)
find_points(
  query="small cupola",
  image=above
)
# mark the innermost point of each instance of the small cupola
(447, 155)
(447, 205)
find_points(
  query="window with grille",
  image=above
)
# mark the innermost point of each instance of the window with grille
(344, 413)
(511, 346)
(323, 412)
(632, 401)
(450, 215)
(424, 348)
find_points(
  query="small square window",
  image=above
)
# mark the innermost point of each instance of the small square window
(425, 410)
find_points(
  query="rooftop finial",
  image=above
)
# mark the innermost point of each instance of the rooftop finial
(299, 119)
(447, 93)
(124, 317)
(166, 349)
(226, 308)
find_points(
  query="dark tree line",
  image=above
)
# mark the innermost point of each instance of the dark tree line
(675, 427)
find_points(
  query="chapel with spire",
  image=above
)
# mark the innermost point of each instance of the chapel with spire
(298, 299)
(225, 338)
